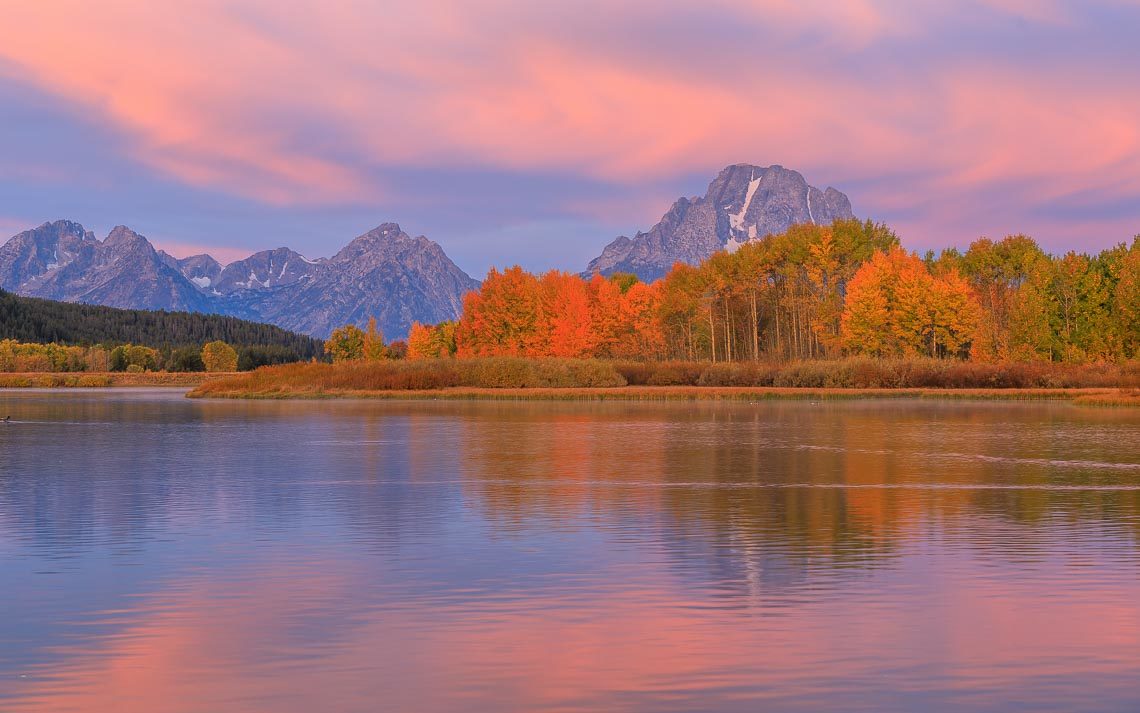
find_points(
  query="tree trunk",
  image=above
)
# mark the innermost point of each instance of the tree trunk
(712, 333)
(755, 330)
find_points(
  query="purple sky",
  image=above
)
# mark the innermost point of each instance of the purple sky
(534, 132)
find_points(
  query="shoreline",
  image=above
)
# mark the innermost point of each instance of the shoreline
(1080, 396)
(105, 379)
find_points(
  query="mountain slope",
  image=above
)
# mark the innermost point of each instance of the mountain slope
(384, 273)
(743, 203)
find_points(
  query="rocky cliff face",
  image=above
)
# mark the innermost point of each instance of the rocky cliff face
(384, 273)
(743, 203)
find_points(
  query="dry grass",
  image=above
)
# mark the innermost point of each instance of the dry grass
(866, 373)
(315, 379)
(653, 393)
(536, 379)
(1124, 398)
(849, 378)
(102, 379)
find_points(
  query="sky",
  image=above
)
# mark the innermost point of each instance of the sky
(514, 131)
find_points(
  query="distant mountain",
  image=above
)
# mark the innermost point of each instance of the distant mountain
(266, 270)
(743, 203)
(384, 273)
(202, 270)
(62, 261)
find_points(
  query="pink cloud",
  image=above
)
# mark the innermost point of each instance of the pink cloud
(308, 104)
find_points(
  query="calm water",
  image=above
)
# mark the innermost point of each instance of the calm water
(160, 554)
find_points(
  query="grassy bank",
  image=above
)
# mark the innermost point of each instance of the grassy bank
(560, 379)
(1124, 398)
(102, 379)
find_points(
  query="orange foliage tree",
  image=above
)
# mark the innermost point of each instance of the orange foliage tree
(558, 315)
(895, 307)
(427, 341)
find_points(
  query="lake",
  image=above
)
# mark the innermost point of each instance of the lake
(163, 554)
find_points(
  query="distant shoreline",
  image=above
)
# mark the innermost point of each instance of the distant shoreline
(1085, 396)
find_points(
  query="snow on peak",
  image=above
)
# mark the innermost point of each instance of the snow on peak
(736, 220)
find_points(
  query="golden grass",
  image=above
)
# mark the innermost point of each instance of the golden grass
(658, 393)
(1124, 398)
(517, 378)
(324, 381)
(102, 379)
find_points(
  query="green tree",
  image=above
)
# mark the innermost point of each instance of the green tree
(185, 359)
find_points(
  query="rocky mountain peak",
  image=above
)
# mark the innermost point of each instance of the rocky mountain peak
(381, 240)
(263, 270)
(123, 237)
(744, 202)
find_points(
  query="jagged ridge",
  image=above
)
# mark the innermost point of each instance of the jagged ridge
(384, 273)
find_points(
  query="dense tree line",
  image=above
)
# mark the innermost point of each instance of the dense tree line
(816, 292)
(177, 336)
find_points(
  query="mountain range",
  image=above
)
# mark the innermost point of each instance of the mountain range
(384, 273)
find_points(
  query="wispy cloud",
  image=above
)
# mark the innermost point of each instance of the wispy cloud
(322, 103)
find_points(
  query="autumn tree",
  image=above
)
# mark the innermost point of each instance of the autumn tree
(997, 271)
(345, 343)
(427, 341)
(684, 332)
(563, 327)
(219, 356)
(1124, 267)
(502, 317)
(372, 348)
(895, 307)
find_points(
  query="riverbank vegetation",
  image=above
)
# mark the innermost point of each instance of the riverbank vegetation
(816, 293)
(517, 373)
(818, 307)
(216, 356)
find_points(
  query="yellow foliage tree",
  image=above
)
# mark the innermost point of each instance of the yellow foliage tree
(895, 307)
(427, 341)
(373, 348)
(345, 343)
(219, 356)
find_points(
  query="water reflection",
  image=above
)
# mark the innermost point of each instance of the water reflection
(162, 553)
